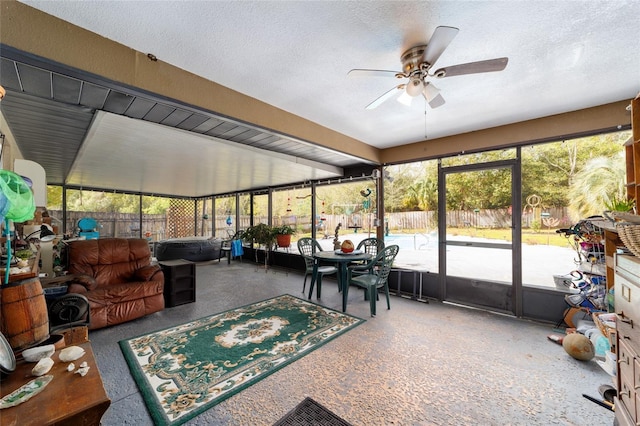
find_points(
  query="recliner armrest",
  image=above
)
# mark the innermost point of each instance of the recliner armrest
(80, 283)
(148, 273)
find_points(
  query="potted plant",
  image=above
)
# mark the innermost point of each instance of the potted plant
(283, 235)
(620, 204)
(263, 235)
(617, 207)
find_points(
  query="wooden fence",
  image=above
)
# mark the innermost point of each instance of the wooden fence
(111, 224)
(409, 221)
(162, 226)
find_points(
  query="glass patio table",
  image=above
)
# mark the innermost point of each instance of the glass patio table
(342, 261)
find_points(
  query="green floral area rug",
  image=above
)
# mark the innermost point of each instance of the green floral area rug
(184, 370)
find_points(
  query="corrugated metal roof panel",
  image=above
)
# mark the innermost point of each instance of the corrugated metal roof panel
(52, 132)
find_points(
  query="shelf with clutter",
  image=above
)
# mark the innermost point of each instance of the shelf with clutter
(587, 282)
(24, 268)
(16, 206)
(26, 230)
(31, 247)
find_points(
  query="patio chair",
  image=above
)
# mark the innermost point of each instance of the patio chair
(232, 246)
(371, 282)
(307, 247)
(373, 246)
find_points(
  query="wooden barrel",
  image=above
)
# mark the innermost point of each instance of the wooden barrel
(24, 319)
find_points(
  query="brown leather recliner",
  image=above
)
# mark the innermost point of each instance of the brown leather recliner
(116, 276)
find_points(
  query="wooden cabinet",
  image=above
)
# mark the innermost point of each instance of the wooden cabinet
(632, 148)
(627, 306)
(179, 282)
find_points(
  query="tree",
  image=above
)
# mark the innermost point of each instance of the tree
(419, 188)
(596, 185)
(549, 169)
(155, 205)
(411, 187)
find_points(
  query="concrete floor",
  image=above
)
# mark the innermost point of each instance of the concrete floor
(416, 364)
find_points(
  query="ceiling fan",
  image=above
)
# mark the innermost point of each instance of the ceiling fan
(416, 65)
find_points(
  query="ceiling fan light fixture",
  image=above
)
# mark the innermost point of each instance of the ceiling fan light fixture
(417, 63)
(404, 98)
(430, 91)
(414, 87)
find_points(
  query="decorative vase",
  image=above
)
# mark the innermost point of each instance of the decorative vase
(347, 246)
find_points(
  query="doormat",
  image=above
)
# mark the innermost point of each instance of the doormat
(311, 413)
(184, 370)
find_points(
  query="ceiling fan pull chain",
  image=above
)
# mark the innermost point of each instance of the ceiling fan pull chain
(425, 118)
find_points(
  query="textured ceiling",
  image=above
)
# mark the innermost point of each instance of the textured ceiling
(295, 55)
(563, 55)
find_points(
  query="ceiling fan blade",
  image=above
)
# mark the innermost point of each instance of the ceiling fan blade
(371, 73)
(440, 39)
(384, 97)
(490, 65)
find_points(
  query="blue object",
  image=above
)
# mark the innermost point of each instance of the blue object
(8, 237)
(88, 227)
(18, 196)
(87, 224)
(602, 345)
(236, 248)
(4, 205)
(90, 235)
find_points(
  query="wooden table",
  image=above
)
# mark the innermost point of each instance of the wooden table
(69, 399)
(341, 261)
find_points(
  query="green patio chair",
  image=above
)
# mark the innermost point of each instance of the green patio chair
(307, 247)
(371, 282)
(371, 245)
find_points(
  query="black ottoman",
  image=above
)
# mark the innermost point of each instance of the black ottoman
(193, 249)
